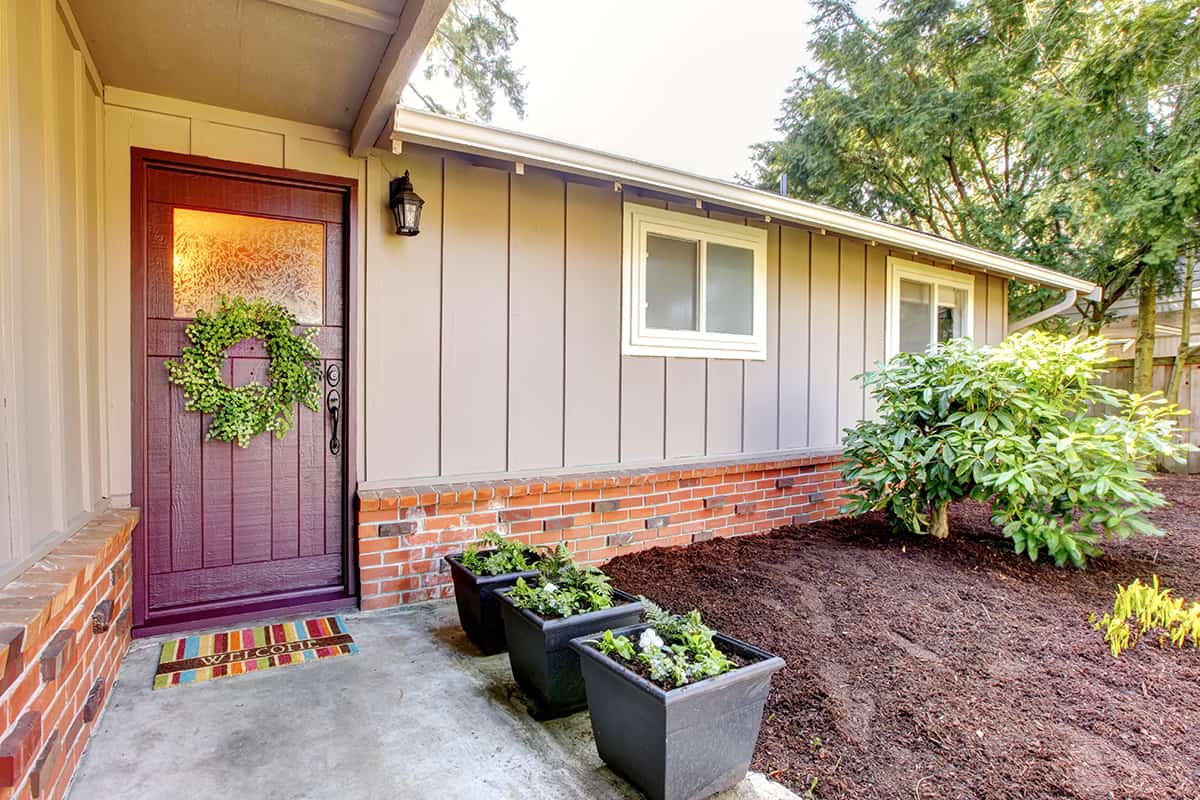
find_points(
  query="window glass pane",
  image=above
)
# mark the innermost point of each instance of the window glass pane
(916, 305)
(729, 290)
(279, 260)
(671, 283)
(952, 311)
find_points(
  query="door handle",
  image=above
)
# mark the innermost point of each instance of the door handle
(333, 402)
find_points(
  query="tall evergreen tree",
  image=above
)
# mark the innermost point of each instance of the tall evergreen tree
(468, 56)
(1062, 132)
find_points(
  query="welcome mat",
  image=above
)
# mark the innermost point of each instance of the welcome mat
(193, 659)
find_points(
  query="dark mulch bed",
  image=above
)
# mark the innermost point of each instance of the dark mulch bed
(954, 669)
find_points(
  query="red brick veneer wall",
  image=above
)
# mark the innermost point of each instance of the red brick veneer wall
(64, 629)
(404, 532)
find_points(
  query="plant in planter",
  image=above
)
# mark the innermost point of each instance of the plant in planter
(674, 650)
(477, 574)
(563, 601)
(675, 706)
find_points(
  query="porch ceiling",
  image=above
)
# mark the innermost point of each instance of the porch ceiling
(314, 61)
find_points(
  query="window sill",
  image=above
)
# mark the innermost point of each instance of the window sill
(699, 351)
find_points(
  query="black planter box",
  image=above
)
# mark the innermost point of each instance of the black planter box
(478, 609)
(543, 662)
(682, 744)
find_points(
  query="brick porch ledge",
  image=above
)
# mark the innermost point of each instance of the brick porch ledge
(64, 629)
(404, 531)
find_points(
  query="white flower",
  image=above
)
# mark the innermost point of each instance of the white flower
(650, 641)
(549, 588)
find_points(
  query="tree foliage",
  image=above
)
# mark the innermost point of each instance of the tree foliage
(1016, 425)
(469, 54)
(1062, 132)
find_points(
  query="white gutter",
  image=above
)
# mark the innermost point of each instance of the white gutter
(1066, 303)
(419, 127)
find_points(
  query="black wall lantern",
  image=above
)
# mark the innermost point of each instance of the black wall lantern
(406, 206)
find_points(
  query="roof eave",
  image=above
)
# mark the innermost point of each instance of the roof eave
(437, 131)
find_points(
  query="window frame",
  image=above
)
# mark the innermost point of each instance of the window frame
(902, 269)
(637, 338)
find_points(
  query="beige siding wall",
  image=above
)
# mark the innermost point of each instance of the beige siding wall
(52, 420)
(491, 344)
(494, 340)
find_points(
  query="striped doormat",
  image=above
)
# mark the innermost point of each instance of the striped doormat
(193, 659)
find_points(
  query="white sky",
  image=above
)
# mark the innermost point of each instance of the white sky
(690, 84)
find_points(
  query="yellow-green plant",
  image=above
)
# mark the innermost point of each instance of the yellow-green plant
(1140, 608)
(239, 413)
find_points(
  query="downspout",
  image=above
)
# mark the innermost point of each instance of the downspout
(1067, 302)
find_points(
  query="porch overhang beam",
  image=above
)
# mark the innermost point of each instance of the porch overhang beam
(415, 27)
(345, 12)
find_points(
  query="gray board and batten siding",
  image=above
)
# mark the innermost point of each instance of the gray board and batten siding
(494, 345)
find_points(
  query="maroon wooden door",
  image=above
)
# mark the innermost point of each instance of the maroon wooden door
(226, 531)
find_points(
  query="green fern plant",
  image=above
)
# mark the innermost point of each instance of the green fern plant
(506, 556)
(563, 587)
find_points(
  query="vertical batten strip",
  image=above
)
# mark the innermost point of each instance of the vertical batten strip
(474, 321)
(104, 479)
(52, 227)
(824, 333)
(875, 323)
(851, 333)
(794, 303)
(12, 517)
(535, 350)
(593, 343)
(83, 260)
(760, 398)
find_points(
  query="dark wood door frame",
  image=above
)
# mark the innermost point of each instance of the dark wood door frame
(141, 161)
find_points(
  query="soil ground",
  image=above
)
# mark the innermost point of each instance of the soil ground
(919, 668)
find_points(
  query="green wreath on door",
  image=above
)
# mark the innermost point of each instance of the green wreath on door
(239, 413)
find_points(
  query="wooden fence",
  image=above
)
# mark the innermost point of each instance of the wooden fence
(1120, 375)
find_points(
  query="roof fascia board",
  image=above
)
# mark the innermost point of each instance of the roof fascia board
(437, 131)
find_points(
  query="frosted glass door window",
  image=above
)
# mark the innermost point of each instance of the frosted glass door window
(729, 289)
(279, 260)
(672, 283)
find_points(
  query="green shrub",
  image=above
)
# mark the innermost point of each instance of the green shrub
(676, 649)
(507, 556)
(1019, 425)
(1139, 608)
(563, 588)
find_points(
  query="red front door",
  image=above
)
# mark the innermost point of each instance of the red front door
(227, 531)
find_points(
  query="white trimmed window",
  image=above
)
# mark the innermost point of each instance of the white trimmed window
(693, 286)
(926, 305)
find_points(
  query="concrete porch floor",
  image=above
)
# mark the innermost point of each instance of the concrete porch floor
(415, 714)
